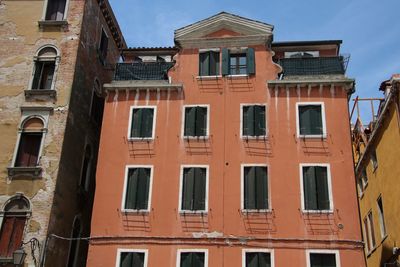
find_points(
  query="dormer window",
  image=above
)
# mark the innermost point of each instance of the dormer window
(238, 61)
(209, 63)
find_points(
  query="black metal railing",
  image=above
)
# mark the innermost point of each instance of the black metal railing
(142, 71)
(313, 65)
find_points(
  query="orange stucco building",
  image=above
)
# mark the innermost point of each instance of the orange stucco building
(227, 150)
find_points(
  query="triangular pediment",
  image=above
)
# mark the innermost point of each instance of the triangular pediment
(223, 25)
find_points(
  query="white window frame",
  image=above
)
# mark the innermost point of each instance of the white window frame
(242, 105)
(183, 122)
(322, 251)
(130, 123)
(242, 166)
(38, 58)
(46, 2)
(181, 188)
(270, 251)
(369, 236)
(127, 167)
(324, 133)
(180, 251)
(121, 250)
(328, 170)
(27, 114)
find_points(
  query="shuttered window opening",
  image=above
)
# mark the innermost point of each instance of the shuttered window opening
(258, 259)
(310, 120)
(192, 259)
(142, 123)
(43, 76)
(137, 189)
(209, 63)
(194, 189)
(103, 47)
(238, 63)
(253, 121)
(28, 150)
(322, 260)
(316, 188)
(132, 259)
(255, 188)
(195, 122)
(55, 10)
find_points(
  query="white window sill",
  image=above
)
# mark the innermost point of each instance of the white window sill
(34, 172)
(318, 211)
(193, 212)
(211, 77)
(202, 137)
(319, 136)
(140, 139)
(254, 137)
(135, 211)
(256, 211)
(237, 76)
(52, 23)
(40, 92)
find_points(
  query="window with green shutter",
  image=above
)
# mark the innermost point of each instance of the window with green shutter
(137, 189)
(209, 63)
(132, 259)
(195, 121)
(258, 259)
(142, 122)
(192, 259)
(310, 120)
(322, 260)
(316, 188)
(194, 182)
(255, 188)
(253, 121)
(236, 62)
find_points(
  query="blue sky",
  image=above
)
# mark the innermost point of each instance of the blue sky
(370, 29)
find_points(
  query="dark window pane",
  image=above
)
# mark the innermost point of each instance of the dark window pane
(28, 150)
(137, 189)
(310, 120)
(142, 123)
(204, 59)
(195, 121)
(258, 259)
(73, 251)
(97, 108)
(254, 121)
(132, 259)
(238, 64)
(194, 189)
(55, 10)
(192, 259)
(44, 73)
(103, 46)
(315, 185)
(322, 260)
(255, 188)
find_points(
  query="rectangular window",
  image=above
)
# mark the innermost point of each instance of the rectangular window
(257, 259)
(142, 122)
(131, 258)
(209, 63)
(192, 258)
(28, 149)
(253, 121)
(137, 188)
(238, 61)
(369, 231)
(322, 260)
(374, 159)
(12, 231)
(194, 189)
(195, 121)
(43, 76)
(316, 188)
(310, 120)
(362, 182)
(103, 47)
(381, 217)
(255, 188)
(55, 10)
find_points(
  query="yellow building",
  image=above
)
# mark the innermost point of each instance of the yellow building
(377, 149)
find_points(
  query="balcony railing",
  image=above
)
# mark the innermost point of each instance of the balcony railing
(313, 65)
(142, 71)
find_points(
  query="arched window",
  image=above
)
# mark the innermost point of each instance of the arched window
(86, 169)
(15, 213)
(46, 62)
(74, 243)
(31, 135)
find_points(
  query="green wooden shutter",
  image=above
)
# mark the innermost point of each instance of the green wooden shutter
(186, 259)
(188, 188)
(199, 199)
(225, 61)
(322, 260)
(126, 259)
(248, 120)
(197, 259)
(310, 195)
(143, 188)
(251, 259)
(38, 73)
(214, 63)
(322, 188)
(136, 127)
(264, 259)
(200, 121)
(304, 120)
(204, 62)
(249, 188)
(315, 120)
(137, 259)
(131, 189)
(261, 187)
(190, 120)
(259, 120)
(147, 122)
(251, 67)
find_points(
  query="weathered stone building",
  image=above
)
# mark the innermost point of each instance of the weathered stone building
(54, 57)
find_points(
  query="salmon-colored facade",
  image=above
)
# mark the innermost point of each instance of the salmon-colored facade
(224, 232)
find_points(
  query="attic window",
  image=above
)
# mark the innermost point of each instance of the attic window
(301, 54)
(238, 61)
